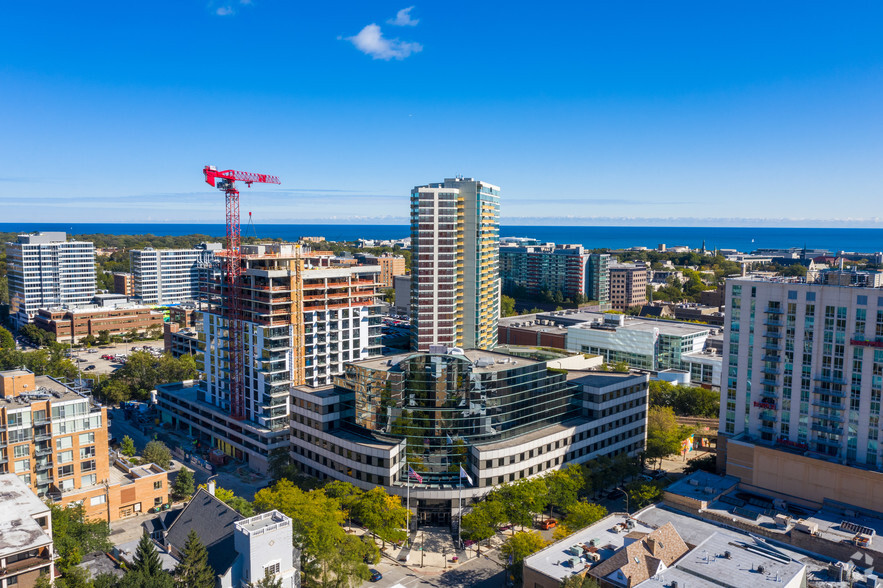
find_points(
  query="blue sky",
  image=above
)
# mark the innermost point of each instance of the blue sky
(583, 112)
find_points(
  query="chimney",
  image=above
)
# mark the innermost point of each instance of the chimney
(211, 487)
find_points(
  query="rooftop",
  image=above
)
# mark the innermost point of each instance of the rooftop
(263, 523)
(483, 361)
(730, 561)
(702, 485)
(604, 537)
(18, 505)
(649, 325)
(603, 379)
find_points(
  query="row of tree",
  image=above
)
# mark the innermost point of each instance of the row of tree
(142, 373)
(685, 400)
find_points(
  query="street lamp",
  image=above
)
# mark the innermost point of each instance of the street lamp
(626, 499)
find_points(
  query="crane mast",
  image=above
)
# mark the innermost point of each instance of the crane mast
(225, 181)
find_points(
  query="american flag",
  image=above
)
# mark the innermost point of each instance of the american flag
(415, 475)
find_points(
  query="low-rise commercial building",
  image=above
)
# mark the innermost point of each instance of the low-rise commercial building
(56, 442)
(26, 548)
(178, 341)
(72, 324)
(498, 417)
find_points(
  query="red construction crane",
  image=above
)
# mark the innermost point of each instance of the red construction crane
(224, 180)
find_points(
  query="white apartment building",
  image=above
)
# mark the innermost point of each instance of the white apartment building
(805, 367)
(46, 270)
(170, 276)
(455, 287)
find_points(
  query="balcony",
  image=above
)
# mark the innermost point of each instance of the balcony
(769, 382)
(773, 322)
(43, 466)
(830, 429)
(772, 335)
(829, 379)
(835, 393)
(827, 416)
(771, 346)
(771, 310)
(771, 371)
(772, 358)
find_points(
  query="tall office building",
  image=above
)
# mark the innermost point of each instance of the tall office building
(455, 292)
(628, 285)
(169, 276)
(800, 409)
(301, 324)
(46, 270)
(598, 277)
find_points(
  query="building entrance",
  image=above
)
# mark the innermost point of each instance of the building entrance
(434, 513)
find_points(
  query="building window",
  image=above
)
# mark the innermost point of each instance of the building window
(157, 485)
(12, 580)
(23, 465)
(65, 457)
(21, 451)
(64, 443)
(66, 471)
(89, 480)
(96, 500)
(157, 501)
(87, 438)
(273, 568)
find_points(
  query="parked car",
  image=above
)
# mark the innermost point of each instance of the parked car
(375, 575)
(89, 367)
(548, 524)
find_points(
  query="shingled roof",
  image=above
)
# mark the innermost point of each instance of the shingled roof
(642, 559)
(213, 521)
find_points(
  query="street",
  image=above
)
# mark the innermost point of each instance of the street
(481, 572)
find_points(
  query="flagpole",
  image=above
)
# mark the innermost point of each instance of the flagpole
(408, 474)
(460, 515)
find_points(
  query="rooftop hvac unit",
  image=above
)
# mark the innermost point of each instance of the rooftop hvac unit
(871, 581)
(693, 482)
(708, 490)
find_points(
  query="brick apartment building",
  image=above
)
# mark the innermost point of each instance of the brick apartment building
(55, 441)
(628, 285)
(124, 284)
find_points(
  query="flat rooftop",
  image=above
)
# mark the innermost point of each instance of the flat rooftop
(749, 562)
(45, 388)
(263, 522)
(602, 536)
(18, 505)
(602, 379)
(482, 360)
(649, 325)
(702, 485)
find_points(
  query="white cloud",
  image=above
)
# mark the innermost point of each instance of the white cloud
(371, 41)
(403, 18)
(225, 11)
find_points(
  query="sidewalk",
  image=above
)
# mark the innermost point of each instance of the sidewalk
(432, 551)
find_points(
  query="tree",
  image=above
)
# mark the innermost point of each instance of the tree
(115, 390)
(88, 340)
(382, 514)
(583, 514)
(347, 494)
(578, 581)
(563, 487)
(104, 580)
(135, 579)
(127, 446)
(157, 452)
(327, 550)
(194, 571)
(103, 337)
(519, 546)
(663, 433)
(268, 581)
(482, 521)
(389, 295)
(7, 341)
(560, 532)
(620, 366)
(507, 306)
(75, 577)
(74, 536)
(643, 493)
(146, 560)
(183, 486)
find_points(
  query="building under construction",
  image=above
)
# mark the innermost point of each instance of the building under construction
(300, 320)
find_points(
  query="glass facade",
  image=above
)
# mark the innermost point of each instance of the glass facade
(439, 406)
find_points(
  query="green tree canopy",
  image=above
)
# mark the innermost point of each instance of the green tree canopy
(382, 514)
(157, 452)
(563, 487)
(75, 536)
(127, 446)
(183, 486)
(583, 514)
(194, 571)
(146, 560)
(664, 435)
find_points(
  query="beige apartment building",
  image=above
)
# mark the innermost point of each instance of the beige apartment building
(55, 440)
(26, 548)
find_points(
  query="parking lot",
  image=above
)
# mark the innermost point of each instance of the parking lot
(88, 357)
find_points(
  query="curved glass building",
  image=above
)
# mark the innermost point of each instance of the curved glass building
(440, 406)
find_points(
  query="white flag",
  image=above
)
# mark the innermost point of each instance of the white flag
(463, 474)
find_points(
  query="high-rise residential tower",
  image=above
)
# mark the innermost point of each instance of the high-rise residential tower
(455, 287)
(598, 277)
(46, 270)
(801, 397)
(170, 276)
